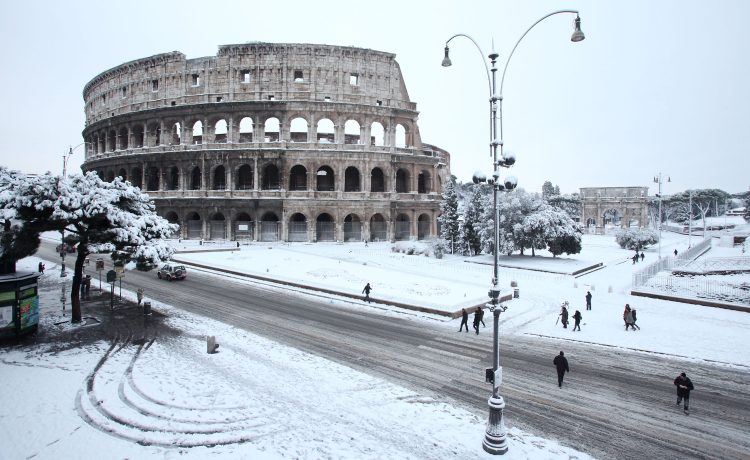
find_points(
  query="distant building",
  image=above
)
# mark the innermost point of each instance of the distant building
(269, 142)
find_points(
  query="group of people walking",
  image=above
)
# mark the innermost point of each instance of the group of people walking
(629, 316)
(636, 256)
(577, 317)
(478, 318)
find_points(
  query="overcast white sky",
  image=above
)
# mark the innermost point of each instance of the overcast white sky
(656, 86)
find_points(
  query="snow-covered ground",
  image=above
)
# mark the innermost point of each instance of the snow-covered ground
(278, 402)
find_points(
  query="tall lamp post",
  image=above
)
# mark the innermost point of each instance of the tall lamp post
(658, 180)
(495, 438)
(66, 157)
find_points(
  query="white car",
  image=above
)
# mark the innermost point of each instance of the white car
(172, 272)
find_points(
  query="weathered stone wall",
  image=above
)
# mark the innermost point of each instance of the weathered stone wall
(267, 133)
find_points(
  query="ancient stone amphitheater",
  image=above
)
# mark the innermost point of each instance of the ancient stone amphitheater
(269, 142)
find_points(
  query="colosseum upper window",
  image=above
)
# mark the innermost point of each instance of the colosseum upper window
(154, 85)
(354, 79)
(196, 79)
(245, 76)
(298, 76)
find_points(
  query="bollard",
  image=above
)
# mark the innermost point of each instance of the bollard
(515, 293)
(513, 284)
(575, 284)
(146, 308)
(610, 289)
(211, 345)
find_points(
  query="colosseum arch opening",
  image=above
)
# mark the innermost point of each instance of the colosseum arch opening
(424, 224)
(352, 228)
(377, 180)
(269, 227)
(378, 228)
(352, 132)
(244, 177)
(298, 178)
(173, 218)
(325, 130)
(325, 228)
(351, 180)
(345, 143)
(297, 227)
(246, 130)
(402, 227)
(324, 179)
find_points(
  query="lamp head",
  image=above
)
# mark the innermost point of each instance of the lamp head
(446, 59)
(510, 183)
(578, 33)
(479, 177)
(509, 159)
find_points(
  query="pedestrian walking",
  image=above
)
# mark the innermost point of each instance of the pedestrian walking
(564, 315)
(684, 386)
(675, 252)
(635, 318)
(366, 291)
(139, 294)
(642, 256)
(588, 300)
(464, 320)
(481, 316)
(627, 316)
(635, 258)
(577, 317)
(477, 319)
(86, 283)
(41, 268)
(561, 363)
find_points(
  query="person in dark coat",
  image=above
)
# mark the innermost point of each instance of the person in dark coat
(564, 317)
(642, 256)
(477, 319)
(627, 316)
(41, 268)
(464, 320)
(481, 317)
(577, 317)
(635, 258)
(635, 318)
(366, 291)
(588, 300)
(684, 386)
(675, 252)
(561, 363)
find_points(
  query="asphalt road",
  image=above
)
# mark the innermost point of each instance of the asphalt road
(614, 403)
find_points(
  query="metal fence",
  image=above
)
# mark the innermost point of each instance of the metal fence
(695, 279)
(668, 263)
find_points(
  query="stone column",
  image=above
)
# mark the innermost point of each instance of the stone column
(256, 185)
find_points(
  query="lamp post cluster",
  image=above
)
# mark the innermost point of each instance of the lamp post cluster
(658, 180)
(495, 439)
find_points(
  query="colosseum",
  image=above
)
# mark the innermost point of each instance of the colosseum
(269, 142)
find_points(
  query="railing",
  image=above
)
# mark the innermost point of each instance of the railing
(668, 263)
(707, 287)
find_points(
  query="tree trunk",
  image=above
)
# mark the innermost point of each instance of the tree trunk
(75, 289)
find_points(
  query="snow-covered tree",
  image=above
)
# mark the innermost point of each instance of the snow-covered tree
(104, 216)
(571, 204)
(513, 207)
(636, 238)
(448, 219)
(471, 221)
(549, 190)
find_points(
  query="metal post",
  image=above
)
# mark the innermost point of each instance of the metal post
(495, 439)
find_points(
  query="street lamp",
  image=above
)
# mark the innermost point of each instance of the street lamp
(66, 157)
(658, 180)
(495, 438)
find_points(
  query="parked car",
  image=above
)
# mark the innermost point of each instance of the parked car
(171, 272)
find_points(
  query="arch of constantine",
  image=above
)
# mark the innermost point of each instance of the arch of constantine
(614, 206)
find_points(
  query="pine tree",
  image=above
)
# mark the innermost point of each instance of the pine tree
(448, 219)
(470, 238)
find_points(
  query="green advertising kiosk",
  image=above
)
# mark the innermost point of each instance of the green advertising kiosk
(19, 303)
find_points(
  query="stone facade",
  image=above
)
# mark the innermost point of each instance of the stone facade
(619, 206)
(268, 142)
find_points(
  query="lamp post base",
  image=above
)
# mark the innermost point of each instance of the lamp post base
(495, 437)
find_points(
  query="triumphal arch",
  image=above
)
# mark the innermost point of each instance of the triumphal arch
(622, 207)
